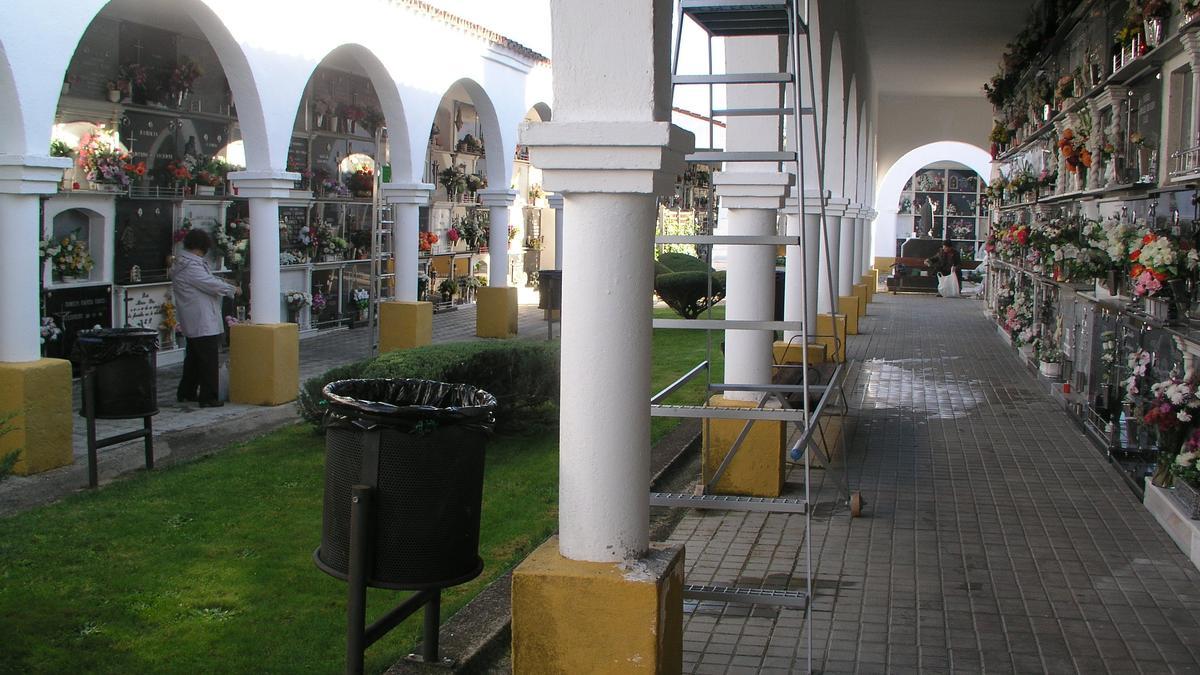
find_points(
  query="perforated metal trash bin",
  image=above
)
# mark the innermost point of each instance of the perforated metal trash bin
(421, 445)
(550, 289)
(124, 363)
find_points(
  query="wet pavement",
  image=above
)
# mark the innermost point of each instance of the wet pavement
(996, 538)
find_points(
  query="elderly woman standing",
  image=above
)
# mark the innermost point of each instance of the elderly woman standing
(198, 295)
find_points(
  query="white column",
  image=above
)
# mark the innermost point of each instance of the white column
(827, 266)
(864, 249)
(609, 151)
(23, 180)
(556, 203)
(264, 189)
(406, 200)
(846, 255)
(753, 200)
(499, 203)
(802, 267)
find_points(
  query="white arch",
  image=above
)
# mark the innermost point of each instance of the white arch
(497, 160)
(888, 196)
(389, 101)
(835, 119)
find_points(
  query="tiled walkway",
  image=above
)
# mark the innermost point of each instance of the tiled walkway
(996, 538)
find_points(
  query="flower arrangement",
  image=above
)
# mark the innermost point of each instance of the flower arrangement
(1157, 258)
(68, 255)
(326, 241)
(1174, 403)
(328, 185)
(426, 240)
(454, 179)
(318, 302)
(170, 320)
(103, 160)
(453, 235)
(50, 331)
(469, 144)
(1048, 351)
(212, 172)
(361, 181)
(289, 258)
(129, 76)
(448, 288)
(59, 148)
(234, 242)
(182, 171)
(535, 193)
(1136, 364)
(183, 77)
(470, 228)
(475, 183)
(1065, 88)
(297, 299)
(1073, 150)
(361, 298)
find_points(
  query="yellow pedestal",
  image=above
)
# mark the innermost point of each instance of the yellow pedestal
(829, 326)
(850, 305)
(868, 280)
(264, 363)
(404, 325)
(791, 354)
(758, 467)
(860, 292)
(874, 281)
(38, 396)
(496, 312)
(585, 617)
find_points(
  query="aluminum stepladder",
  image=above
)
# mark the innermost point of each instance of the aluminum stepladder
(384, 284)
(741, 18)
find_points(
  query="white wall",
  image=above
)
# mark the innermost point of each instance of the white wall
(908, 122)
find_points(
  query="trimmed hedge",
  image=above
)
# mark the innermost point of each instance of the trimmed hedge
(522, 375)
(684, 284)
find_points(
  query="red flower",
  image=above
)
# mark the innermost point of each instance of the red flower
(1136, 254)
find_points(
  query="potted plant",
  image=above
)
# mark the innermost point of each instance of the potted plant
(361, 182)
(448, 288)
(454, 179)
(475, 183)
(209, 175)
(1049, 359)
(296, 301)
(361, 298)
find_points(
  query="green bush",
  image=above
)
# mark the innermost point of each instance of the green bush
(523, 376)
(684, 284)
(682, 262)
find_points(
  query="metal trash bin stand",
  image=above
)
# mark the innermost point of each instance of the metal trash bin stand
(550, 297)
(119, 379)
(403, 494)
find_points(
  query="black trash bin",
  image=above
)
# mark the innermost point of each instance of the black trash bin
(550, 289)
(420, 444)
(780, 291)
(123, 365)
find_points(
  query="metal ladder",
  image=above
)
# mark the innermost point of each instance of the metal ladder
(383, 282)
(741, 18)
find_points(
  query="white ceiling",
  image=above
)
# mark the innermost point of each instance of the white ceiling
(937, 47)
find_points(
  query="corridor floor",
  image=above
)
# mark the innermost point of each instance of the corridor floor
(995, 539)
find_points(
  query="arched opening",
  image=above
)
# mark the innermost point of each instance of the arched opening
(349, 125)
(903, 174)
(464, 158)
(850, 149)
(537, 234)
(153, 100)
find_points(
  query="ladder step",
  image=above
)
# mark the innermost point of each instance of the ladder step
(733, 78)
(727, 324)
(726, 18)
(727, 240)
(705, 412)
(727, 502)
(757, 112)
(722, 156)
(750, 596)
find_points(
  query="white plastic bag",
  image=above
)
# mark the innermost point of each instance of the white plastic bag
(223, 382)
(948, 286)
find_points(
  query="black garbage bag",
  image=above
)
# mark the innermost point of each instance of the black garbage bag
(101, 345)
(420, 444)
(122, 364)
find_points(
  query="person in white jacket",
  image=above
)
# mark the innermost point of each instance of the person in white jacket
(198, 295)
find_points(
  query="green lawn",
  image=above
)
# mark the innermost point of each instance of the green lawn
(207, 567)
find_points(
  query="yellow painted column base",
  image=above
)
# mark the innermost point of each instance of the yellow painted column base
(868, 280)
(790, 354)
(38, 396)
(264, 363)
(860, 292)
(404, 325)
(570, 616)
(828, 327)
(757, 470)
(849, 306)
(496, 312)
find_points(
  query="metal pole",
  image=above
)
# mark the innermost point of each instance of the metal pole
(149, 426)
(356, 600)
(89, 408)
(433, 620)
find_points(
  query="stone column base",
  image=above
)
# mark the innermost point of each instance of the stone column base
(868, 280)
(38, 396)
(791, 354)
(496, 312)
(404, 325)
(757, 470)
(849, 305)
(828, 326)
(264, 363)
(860, 292)
(570, 616)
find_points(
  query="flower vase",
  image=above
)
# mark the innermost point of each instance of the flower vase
(1050, 370)
(114, 95)
(1169, 443)
(1154, 32)
(67, 278)
(1156, 308)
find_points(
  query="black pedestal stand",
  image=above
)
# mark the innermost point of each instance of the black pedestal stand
(88, 384)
